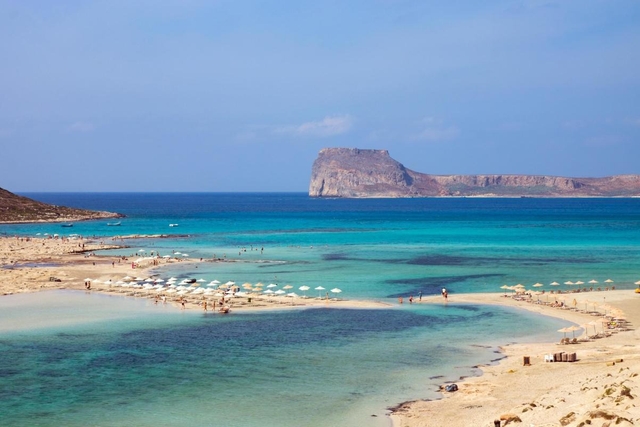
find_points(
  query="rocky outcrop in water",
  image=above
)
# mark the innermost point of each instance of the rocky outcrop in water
(357, 173)
(17, 209)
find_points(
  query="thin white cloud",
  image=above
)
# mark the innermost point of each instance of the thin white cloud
(82, 127)
(434, 130)
(603, 140)
(633, 122)
(329, 126)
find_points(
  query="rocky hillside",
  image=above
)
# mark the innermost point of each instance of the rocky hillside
(14, 209)
(356, 173)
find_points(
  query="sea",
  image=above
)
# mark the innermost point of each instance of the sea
(80, 359)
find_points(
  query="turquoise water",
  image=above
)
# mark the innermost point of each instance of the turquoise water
(118, 361)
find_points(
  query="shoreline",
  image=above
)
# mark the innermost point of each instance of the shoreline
(31, 263)
(598, 387)
(541, 394)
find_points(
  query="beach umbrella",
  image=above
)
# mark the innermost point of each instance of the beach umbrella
(177, 253)
(568, 282)
(268, 291)
(280, 292)
(593, 282)
(271, 285)
(287, 287)
(141, 250)
(505, 287)
(564, 331)
(336, 290)
(555, 284)
(166, 256)
(538, 285)
(608, 281)
(230, 283)
(185, 255)
(292, 295)
(159, 280)
(201, 280)
(579, 282)
(637, 283)
(573, 329)
(319, 289)
(304, 288)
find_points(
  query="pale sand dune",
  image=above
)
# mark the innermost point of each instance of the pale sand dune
(589, 392)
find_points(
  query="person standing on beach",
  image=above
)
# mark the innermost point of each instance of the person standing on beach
(420, 296)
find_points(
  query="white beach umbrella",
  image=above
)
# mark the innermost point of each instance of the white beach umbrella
(201, 280)
(212, 284)
(579, 282)
(166, 256)
(268, 291)
(555, 284)
(593, 282)
(608, 281)
(185, 255)
(538, 285)
(568, 282)
(637, 283)
(319, 289)
(141, 250)
(336, 290)
(271, 285)
(177, 253)
(217, 282)
(159, 280)
(280, 292)
(287, 287)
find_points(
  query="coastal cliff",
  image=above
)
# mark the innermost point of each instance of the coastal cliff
(19, 209)
(358, 173)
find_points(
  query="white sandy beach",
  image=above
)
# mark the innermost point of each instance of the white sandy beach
(600, 389)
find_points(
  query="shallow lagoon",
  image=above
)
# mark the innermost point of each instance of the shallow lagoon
(88, 359)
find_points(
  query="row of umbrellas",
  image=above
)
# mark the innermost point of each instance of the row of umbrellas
(189, 286)
(520, 287)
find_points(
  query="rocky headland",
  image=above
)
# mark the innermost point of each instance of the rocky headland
(20, 209)
(359, 173)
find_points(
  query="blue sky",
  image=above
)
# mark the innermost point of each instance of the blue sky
(241, 95)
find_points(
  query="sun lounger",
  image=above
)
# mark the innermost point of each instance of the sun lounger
(548, 357)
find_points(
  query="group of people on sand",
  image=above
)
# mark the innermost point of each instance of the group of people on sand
(445, 295)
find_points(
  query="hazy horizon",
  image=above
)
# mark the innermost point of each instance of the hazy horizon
(200, 96)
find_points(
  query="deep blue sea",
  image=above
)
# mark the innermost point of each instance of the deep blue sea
(117, 361)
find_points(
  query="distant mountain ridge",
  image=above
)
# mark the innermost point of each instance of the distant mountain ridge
(20, 209)
(364, 173)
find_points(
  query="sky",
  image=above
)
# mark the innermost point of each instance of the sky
(242, 95)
